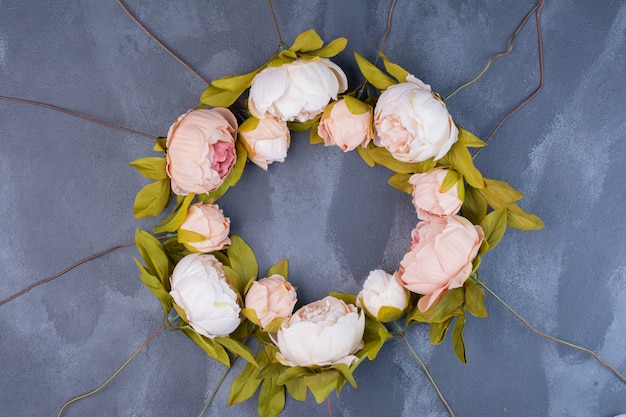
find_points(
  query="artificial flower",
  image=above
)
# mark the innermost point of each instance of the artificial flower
(201, 150)
(382, 297)
(440, 257)
(429, 200)
(199, 287)
(340, 126)
(267, 142)
(412, 123)
(325, 332)
(208, 221)
(296, 91)
(270, 298)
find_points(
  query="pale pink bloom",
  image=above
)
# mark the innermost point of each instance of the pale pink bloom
(268, 142)
(440, 257)
(296, 91)
(200, 150)
(412, 123)
(427, 198)
(270, 298)
(342, 128)
(207, 220)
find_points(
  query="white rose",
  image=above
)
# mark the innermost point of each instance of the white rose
(200, 288)
(325, 332)
(412, 123)
(381, 289)
(296, 91)
(267, 142)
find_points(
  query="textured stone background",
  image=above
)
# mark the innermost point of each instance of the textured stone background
(67, 192)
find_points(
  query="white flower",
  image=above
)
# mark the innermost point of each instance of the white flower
(381, 289)
(296, 91)
(412, 123)
(267, 142)
(200, 288)
(325, 332)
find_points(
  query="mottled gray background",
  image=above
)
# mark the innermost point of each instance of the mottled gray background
(67, 192)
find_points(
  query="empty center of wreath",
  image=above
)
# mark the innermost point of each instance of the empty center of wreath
(327, 212)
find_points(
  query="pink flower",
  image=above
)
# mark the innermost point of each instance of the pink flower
(341, 127)
(207, 220)
(270, 298)
(440, 257)
(200, 150)
(412, 123)
(427, 198)
(267, 142)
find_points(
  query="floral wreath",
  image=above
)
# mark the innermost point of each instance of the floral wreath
(208, 281)
(211, 280)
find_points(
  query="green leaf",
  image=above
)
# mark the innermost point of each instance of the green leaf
(244, 385)
(461, 160)
(314, 136)
(457, 338)
(372, 74)
(345, 372)
(281, 268)
(375, 335)
(356, 106)
(332, 49)
(236, 82)
(468, 139)
(401, 182)
(271, 399)
(499, 193)
(446, 306)
(297, 389)
(346, 298)
(292, 372)
(322, 384)
(307, 41)
(214, 350)
(156, 287)
(242, 259)
(475, 299)
(287, 56)
(438, 331)
(154, 256)
(187, 236)
(451, 179)
(519, 219)
(152, 168)
(217, 97)
(388, 314)
(302, 126)
(364, 153)
(160, 145)
(383, 157)
(234, 279)
(474, 206)
(152, 199)
(396, 70)
(173, 221)
(494, 226)
(249, 125)
(238, 348)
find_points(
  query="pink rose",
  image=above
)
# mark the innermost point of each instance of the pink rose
(341, 127)
(207, 220)
(270, 298)
(412, 123)
(440, 257)
(427, 199)
(200, 150)
(267, 142)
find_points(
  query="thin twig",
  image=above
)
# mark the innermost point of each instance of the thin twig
(126, 362)
(81, 116)
(154, 38)
(330, 408)
(541, 80)
(429, 376)
(280, 38)
(497, 55)
(554, 339)
(69, 268)
(217, 387)
(382, 43)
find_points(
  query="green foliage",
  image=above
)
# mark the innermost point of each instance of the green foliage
(152, 199)
(401, 182)
(173, 220)
(364, 154)
(468, 139)
(281, 268)
(374, 75)
(475, 299)
(457, 338)
(209, 346)
(383, 157)
(152, 168)
(242, 262)
(154, 256)
(271, 398)
(494, 226)
(244, 385)
(238, 348)
(474, 206)
(356, 106)
(395, 70)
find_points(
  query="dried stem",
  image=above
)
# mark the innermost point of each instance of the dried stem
(541, 80)
(280, 38)
(154, 38)
(384, 41)
(126, 362)
(81, 116)
(330, 408)
(217, 387)
(554, 339)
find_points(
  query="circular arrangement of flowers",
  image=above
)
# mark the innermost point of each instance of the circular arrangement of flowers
(208, 281)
